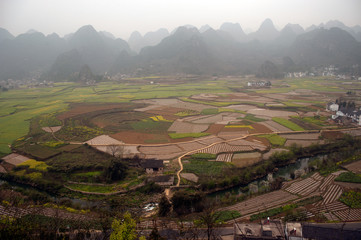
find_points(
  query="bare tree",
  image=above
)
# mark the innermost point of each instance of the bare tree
(116, 150)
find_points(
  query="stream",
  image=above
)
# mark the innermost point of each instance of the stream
(284, 172)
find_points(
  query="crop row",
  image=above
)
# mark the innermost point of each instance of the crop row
(224, 157)
(225, 147)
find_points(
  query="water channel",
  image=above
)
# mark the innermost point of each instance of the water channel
(285, 172)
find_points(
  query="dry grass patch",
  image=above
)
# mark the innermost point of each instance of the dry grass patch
(245, 162)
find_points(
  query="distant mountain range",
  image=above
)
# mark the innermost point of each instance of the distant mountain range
(228, 50)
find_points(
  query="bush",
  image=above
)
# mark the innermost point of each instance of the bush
(349, 177)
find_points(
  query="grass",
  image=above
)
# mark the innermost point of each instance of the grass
(36, 165)
(348, 177)
(206, 168)
(186, 113)
(351, 198)
(274, 139)
(287, 124)
(204, 156)
(39, 151)
(227, 215)
(18, 106)
(54, 144)
(239, 126)
(253, 118)
(92, 188)
(150, 126)
(319, 121)
(159, 119)
(209, 111)
(211, 103)
(185, 135)
(89, 174)
(273, 212)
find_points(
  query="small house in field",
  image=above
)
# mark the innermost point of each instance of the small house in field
(153, 166)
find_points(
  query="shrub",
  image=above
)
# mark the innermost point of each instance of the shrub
(349, 177)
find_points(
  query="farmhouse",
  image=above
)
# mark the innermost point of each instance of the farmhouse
(331, 106)
(153, 166)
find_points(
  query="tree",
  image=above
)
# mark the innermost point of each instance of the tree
(116, 170)
(116, 150)
(164, 206)
(210, 220)
(124, 229)
(184, 202)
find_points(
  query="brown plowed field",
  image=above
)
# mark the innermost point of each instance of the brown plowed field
(215, 129)
(136, 137)
(354, 167)
(332, 135)
(82, 108)
(303, 143)
(303, 136)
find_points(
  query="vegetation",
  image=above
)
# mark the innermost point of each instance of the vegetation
(150, 126)
(239, 126)
(274, 139)
(202, 167)
(272, 212)
(124, 229)
(204, 156)
(211, 103)
(287, 124)
(349, 177)
(253, 118)
(186, 135)
(164, 206)
(351, 198)
(116, 171)
(186, 113)
(227, 215)
(185, 202)
(36, 165)
(92, 188)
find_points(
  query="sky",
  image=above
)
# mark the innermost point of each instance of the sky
(122, 17)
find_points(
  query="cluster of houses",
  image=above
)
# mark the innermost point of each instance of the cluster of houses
(344, 111)
(29, 83)
(296, 230)
(259, 84)
(328, 71)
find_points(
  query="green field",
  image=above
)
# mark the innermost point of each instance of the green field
(274, 139)
(287, 124)
(205, 167)
(19, 106)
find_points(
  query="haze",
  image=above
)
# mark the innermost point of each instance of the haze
(123, 17)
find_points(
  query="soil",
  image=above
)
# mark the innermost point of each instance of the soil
(215, 129)
(131, 137)
(82, 108)
(354, 167)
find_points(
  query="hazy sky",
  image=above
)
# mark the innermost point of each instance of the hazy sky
(121, 17)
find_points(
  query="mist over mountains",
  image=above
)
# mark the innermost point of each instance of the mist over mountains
(228, 50)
